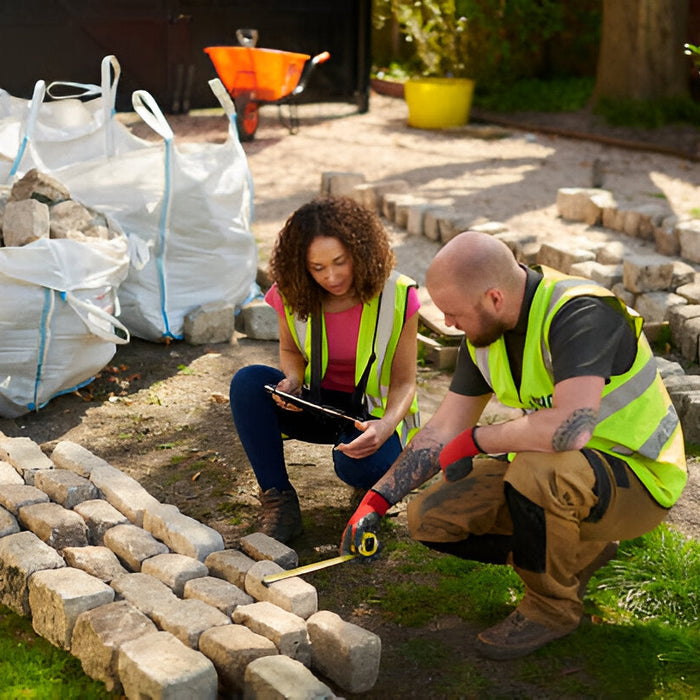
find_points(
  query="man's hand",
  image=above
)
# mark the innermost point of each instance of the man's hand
(456, 456)
(366, 518)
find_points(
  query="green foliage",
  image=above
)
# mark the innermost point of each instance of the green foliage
(694, 53)
(38, 669)
(649, 114)
(555, 95)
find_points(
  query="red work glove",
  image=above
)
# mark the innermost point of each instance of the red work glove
(456, 456)
(366, 518)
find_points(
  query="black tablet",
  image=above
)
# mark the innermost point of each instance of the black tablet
(305, 404)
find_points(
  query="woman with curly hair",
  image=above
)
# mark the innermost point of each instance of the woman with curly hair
(347, 330)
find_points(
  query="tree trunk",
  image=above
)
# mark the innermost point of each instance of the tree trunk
(641, 50)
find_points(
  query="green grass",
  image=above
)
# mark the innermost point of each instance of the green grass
(556, 95)
(30, 667)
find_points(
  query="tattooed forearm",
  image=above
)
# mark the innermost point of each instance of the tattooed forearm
(416, 464)
(575, 431)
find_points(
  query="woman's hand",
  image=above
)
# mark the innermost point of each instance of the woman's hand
(374, 434)
(289, 386)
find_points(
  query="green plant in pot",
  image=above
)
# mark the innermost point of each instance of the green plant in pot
(440, 94)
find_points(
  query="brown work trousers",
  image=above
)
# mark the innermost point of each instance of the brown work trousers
(563, 485)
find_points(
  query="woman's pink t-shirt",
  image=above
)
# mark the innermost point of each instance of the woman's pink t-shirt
(342, 330)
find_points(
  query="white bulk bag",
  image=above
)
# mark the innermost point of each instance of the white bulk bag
(57, 329)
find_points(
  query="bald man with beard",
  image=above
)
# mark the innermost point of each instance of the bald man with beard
(597, 455)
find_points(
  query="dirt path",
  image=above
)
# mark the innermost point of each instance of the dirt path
(160, 413)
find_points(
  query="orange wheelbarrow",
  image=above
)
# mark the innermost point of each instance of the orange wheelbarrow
(256, 76)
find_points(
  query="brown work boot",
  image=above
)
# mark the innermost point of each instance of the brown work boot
(584, 576)
(281, 516)
(516, 636)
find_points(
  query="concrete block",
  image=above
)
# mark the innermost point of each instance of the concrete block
(282, 677)
(16, 496)
(689, 240)
(9, 475)
(606, 275)
(677, 317)
(524, 246)
(8, 523)
(432, 218)
(292, 594)
(54, 524)
(75, 458)
(259, 546)
(286, 630)
(647, 273)
(24, 455)
(612, 253)
(25, 221)
(650, 218)
(582, 269)
(99, 633)
(21, 555)
(65, 487)
(666, 238)
(133, 544)
(158, 665)
(373, 193)
(402, 211)
(229, 564)
(339, 184)
(690, 416)
(654, 307)
(624, 294)
(583, 204)
(691, 292)
(561, 257)
(258, 320)
(391, 202)
(99, 516)
(174, 570)
(217, 592)
(668, 369)
(690, 334)
(123, 492)
(181, 533)
(415, 218)
(100, 562)
(67, 217)
(343, 652)
(144, 592)
(58, 596)
(493, 228)
(187, 619)
(36, 182)
(231, 648)
(210, 323)
(454, 224)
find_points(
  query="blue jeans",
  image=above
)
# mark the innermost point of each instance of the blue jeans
(261, 424)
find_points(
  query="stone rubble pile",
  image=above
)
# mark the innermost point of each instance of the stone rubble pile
(150, 600)
(39, 206)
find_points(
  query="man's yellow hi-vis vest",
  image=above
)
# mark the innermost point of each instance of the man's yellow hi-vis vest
(384, 314)
(636, 420)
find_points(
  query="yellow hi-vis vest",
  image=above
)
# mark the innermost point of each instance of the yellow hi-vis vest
(384, 314)
(636, 420)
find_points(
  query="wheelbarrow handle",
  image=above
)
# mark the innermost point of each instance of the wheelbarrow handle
(320, 58)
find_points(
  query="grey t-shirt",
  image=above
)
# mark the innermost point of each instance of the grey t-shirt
(588, 337)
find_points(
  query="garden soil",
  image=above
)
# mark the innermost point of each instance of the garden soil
(160, 411)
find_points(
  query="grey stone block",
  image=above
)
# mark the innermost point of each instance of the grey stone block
(181, 533)
(99, 516)
(666, 238)
(561, 257)
(691, 292)
(123, 492)
(258, 320)
(98, 635)
(282, 677)
(133, 544)
(25, 221)
(654, 307)
(16, 496)
(69, 455)
(647, 273)
(583, 204)
(37, 182)
(54, 524)
(8, 523)
(210, 323)
(58, 596)
(174, 570)
(286, 630)
(9, 475)
(24, 455)
(678, 316)
(100, 562)
(259, 546)
(689, 240)
(65, 487)
(343, 652)
(292, 594)
(612, 253)
(21, 555)
(690, 416)
(217, 592)
(229, 564)
(158, 665)
(690, 334)
(231, 648)
(187, 619)
(144, 592)
(339, 183)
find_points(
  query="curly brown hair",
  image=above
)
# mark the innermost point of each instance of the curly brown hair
(356, 227)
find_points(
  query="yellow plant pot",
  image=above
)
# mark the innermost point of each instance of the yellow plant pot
(438, 103)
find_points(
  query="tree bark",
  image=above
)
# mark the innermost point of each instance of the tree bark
(641, 50)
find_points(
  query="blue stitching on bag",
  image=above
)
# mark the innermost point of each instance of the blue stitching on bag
(18, 157)
(48, 298)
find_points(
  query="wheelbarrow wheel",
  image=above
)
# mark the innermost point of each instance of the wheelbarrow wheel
(247, 118)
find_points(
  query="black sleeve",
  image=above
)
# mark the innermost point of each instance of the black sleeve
(467, 379)
(590, 336)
